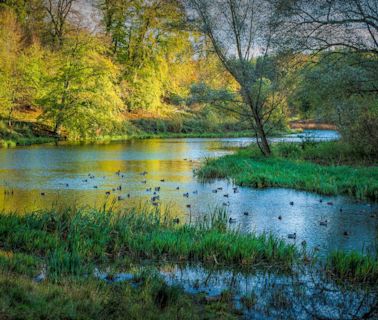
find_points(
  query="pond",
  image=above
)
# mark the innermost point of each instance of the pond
(32, 178)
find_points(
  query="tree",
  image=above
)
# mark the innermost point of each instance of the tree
(10, 47)
(328, 25)
(82, 96)
(148, 40)
(58, 12)
(241, 33)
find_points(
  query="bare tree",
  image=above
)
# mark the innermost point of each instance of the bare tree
(241, 33)
(331, 24)
(58, 12)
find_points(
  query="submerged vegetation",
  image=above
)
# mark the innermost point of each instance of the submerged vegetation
(315, 167)
(21, 298)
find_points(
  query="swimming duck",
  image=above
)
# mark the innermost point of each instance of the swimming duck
(292, 235)
(323, 222)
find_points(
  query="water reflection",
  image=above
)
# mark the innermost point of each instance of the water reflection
(260, 294)
(83, 174)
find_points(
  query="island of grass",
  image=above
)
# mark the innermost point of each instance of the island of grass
(329, 168)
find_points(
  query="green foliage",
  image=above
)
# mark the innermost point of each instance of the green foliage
(81, 94)
(342, 88)
(148, 43)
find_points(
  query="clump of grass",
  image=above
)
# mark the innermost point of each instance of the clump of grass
(248, 168)
(353, 266)
(70, 242)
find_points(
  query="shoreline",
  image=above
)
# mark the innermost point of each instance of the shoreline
(22, 142)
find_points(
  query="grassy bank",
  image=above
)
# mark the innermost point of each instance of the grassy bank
(22, 298)
(313, 167)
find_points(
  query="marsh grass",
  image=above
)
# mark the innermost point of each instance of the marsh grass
(72, 242)
(353, 266)
(21, 298)
(290, 167)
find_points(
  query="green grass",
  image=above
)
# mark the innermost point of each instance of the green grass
(353, 266)
(21, 298)
(71, 242)
(293, 167)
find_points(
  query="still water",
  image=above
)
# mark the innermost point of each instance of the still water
(37, 177)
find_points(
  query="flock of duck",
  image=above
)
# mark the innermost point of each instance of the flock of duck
(155, 198)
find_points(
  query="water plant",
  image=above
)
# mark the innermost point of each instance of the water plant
(73, 241)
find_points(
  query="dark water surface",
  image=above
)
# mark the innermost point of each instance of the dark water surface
(82, 174)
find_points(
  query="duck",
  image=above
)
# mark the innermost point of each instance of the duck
(42, 276)
(291, 203)
(235, 189)
(155, 198)
(323, 222)
(176, 220)
(188, 206)
(119, 188)
(157, 189)
(246, 213)
(43, 194)
(220, 188)
(232, 220)
(162, 180)
(215, 191)
(279, 217)
(107, 193)
(95, 187)
(225, 195)
(195, 192)
(346, 233)
(186, 194)
(177, 188)
(226, 204)
(148, 190)
(330, 203)
(292, 235)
